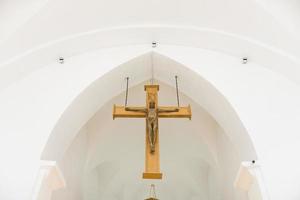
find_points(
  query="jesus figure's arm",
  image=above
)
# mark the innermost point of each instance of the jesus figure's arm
(167, 110)
(135, 109)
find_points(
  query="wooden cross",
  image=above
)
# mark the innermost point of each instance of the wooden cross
(152, 112)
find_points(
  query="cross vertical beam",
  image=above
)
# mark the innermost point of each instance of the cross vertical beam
(152, 161)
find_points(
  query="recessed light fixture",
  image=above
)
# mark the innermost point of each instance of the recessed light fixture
(154, 44)
(61, 60)
(245, 60)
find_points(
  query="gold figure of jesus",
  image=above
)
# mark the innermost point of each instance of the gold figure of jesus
(152, 114)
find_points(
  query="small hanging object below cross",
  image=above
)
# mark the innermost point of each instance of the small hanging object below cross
(152, 193)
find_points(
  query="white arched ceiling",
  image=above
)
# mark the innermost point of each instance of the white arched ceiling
(286, 12)
(16, 67)
(264, 101)
(10, 21)
(58, 19)
(67, 28)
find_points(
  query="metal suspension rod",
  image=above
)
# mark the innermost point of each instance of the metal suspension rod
(126, 96)
(152, 70)
(176, 77)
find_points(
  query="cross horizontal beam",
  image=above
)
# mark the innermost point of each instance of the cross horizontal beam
(183, 112)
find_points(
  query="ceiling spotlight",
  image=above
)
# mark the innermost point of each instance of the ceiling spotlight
(245, 60)
(154, 44)
(61, 60)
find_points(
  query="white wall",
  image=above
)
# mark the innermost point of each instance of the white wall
(229, 162)
(72, 166)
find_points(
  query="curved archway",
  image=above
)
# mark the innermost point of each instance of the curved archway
(192, 84)
(92, 98)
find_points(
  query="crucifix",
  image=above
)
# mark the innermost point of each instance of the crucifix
(152, 112)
